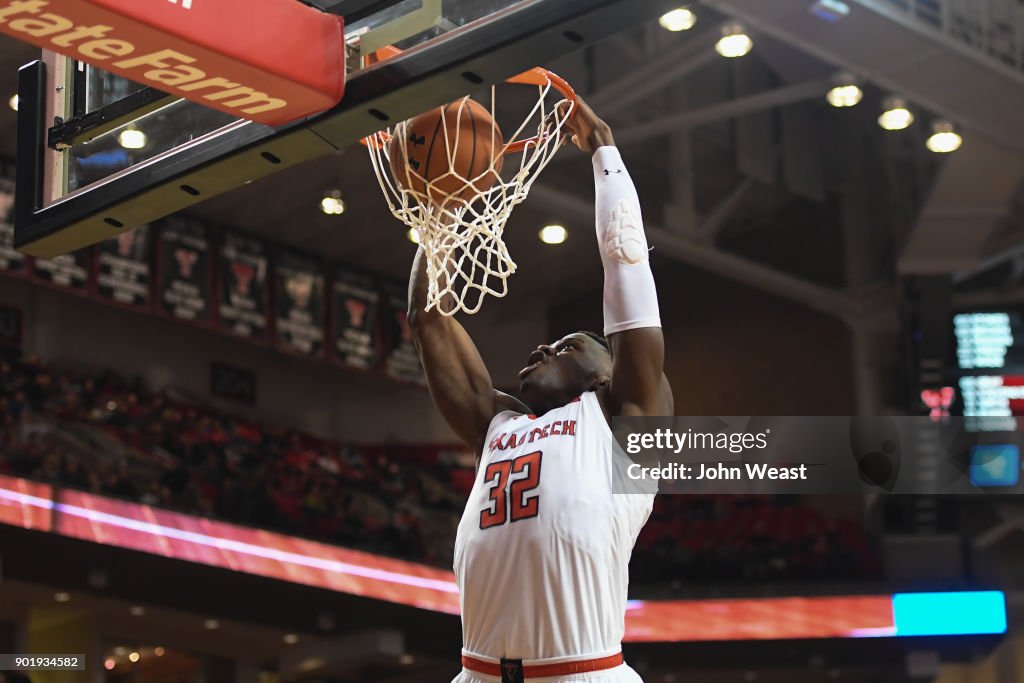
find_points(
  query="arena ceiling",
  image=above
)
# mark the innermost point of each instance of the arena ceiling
(743, 170)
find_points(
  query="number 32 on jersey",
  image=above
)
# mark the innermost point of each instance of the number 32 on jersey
(512, 503)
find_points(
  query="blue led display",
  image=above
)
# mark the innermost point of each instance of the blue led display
(949, 614)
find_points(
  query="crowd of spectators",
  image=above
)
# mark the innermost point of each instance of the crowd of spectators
(103, 433)
(749, 538)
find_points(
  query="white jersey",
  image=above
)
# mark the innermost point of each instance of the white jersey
(542, 552)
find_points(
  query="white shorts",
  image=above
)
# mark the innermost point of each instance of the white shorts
(620, 674)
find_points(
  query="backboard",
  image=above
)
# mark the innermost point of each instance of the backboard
(98, 154)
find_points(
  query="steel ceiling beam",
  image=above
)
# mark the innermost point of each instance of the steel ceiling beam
(890, 77)
(723, 211)
(725, 110)
(822, 299)
(654, 76)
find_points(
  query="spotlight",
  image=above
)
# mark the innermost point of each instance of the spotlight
(133, 657)
(109, 664)
(62, 597)
(130, 138)
(944, 138)
(681, 19)
(159, 651)
(211, 624)
(413, 235)
(137, 610)
(734, 41)
(332, 204)
(845, 91)
(553, 234)
(896, 115)
(406, 659)
(13, 102)
(291, 638)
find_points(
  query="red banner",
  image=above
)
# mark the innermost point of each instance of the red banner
(271, 61)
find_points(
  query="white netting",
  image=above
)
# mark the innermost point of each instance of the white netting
(460, 226)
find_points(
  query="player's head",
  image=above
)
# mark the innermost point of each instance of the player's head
(557, 373)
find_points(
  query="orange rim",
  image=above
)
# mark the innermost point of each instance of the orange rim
(538, 76)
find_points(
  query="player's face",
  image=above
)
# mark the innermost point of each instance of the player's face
(559, 372)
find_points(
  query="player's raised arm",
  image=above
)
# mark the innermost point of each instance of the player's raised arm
(632, 321)
(456, 375)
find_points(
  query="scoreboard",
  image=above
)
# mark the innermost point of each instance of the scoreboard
(990, 364)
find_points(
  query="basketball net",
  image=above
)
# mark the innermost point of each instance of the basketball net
(461, 230)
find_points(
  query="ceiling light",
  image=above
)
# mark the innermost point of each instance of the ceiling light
(406, 659)
(130, 138)
(734, 41)
(137, 610)
(13, 102)
(944, 138)
(413, 235)
(291, 638)
(62, 597)
(211, 624)
(830, 10)
(109, 664)
(553, 234)
(681, 19)
(896, 115)
(332, 204)
(845, 91)
(845, 96)
(134, 657)
(159, 651)
(120, 651)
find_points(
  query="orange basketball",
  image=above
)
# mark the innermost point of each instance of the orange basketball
(456, 148)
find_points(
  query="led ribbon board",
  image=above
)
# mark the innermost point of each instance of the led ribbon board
(270, 61)
(151, 530)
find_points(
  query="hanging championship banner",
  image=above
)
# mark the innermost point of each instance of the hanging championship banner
(11, 261)
(300, 308)
(401, 360)
(243, 286)
(356, 302)
(184, 267)
(69, 271)
(123, 270)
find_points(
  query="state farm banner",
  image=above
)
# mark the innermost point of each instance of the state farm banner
(228, 55)
(300, 308)
(11, 260)
(356, 301)
(123, 272)
(69, 271)
(401, 361)
(184, 266)
(243, 286)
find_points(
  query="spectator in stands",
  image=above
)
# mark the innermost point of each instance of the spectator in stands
(399, 501)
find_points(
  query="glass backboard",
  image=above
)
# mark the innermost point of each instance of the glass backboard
(104, 154)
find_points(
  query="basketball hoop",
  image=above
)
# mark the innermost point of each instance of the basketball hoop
(460, 228)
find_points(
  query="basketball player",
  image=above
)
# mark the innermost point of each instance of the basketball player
(543, 547)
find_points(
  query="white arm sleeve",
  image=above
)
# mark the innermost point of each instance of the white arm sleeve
(630, 299)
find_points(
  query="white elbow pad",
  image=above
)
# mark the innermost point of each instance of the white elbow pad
(630, 298)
